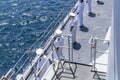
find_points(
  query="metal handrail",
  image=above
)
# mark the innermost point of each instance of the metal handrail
(95, 51)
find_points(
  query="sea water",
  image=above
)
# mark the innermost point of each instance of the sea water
(22, 22)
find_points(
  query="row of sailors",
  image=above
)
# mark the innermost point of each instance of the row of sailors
(77, 18)
(43, 62)
(58, 43)
(59, 40)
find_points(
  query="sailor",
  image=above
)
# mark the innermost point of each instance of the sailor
(19, 77)
(80, 11)
(73, 26)
(40, 63)
(58, 43)
(89, 7)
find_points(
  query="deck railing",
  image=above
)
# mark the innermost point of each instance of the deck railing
(96, 52)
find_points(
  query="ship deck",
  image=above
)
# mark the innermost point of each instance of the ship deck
(95, 26)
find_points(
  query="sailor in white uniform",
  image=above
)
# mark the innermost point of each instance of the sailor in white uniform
(73, 26)
(80, 11)
(40, 63)
(58, 43)
(89, 7)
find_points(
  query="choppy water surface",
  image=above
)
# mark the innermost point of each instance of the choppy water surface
(22, 22)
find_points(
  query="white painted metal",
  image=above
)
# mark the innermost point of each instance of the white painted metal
(114, 54)
(108, 34)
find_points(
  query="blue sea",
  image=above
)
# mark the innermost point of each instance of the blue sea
(23, 22)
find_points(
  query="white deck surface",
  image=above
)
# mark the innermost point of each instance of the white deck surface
(101, 63)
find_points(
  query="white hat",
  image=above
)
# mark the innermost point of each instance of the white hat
(19, 77)
(39, 51)
(58, 32)
(72, 14)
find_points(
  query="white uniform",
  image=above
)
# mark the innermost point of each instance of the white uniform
(80, 11)
(39, 65)
(73, 25)
(59, 42)
(89, 6)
